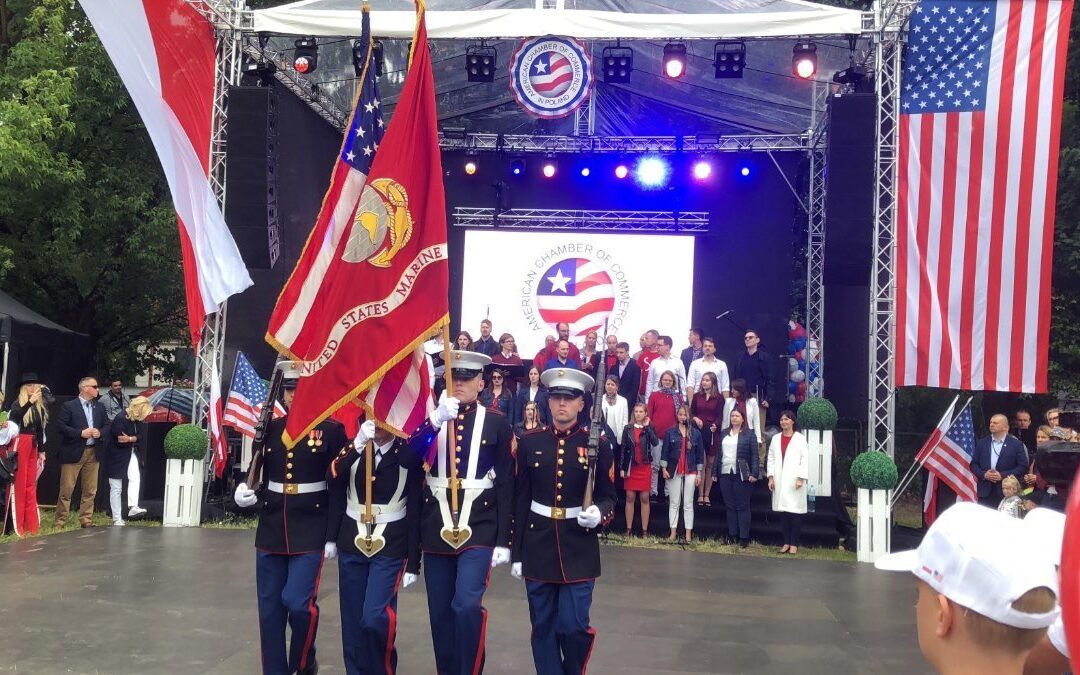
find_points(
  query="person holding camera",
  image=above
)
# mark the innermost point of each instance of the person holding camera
(30, 413)
(80, 420)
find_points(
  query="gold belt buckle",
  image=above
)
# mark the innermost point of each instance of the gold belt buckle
(558, 513)
(366, 519)
(292, 488)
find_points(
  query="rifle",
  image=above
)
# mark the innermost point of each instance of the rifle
(258, 446)
(597, 419)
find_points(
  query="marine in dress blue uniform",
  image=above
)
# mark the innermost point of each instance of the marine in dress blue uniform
(458, 562)
(374, 557)
(291, 539)
(556, 549)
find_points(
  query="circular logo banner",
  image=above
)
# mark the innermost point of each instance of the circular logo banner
(551, 76)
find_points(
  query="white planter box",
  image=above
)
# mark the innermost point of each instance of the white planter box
(875, 524)
(820, 444)
(183, 492)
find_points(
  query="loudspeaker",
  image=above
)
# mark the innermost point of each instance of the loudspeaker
(249, 169)
(849, 184)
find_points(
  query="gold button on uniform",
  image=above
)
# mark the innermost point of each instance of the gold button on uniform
(288, 465)
(561, 451)
(558, 498)
(288, 476)
(558, 486)
(289, 455)
(558, 473)
(560, 460)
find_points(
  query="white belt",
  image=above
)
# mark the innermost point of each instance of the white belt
(296, 488)
(384, 513)
(555, 512)
(437, 483)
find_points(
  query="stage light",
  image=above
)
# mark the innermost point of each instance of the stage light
(306, 55)
(804, 60)
(585, 171)
(674, 60)
(621, 171)
(517, 166)
(702, 169)
(470, 167)
(651, 171)
(260, 71)
(729, 59)
(618, 63)
(480, 63)
(359, 50)
(550, 167)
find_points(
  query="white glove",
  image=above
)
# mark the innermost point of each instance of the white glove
(329, 551)
(500, 556)
(244, 496)
(515, 570)
(447, 410)
(367, 432)
(8, 432)
(589, 518)
(408, 579)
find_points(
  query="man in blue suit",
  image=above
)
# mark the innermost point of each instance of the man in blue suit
(996, 457)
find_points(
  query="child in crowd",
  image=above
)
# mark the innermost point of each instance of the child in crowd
(682, 461)
(635, 466)
(1012, 504)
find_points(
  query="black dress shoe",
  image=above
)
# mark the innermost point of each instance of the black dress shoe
(312, 669)
(744, 543)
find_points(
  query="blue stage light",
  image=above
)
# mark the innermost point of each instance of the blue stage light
(651, 172)
(585, 171)
(702, 170)
(517, 166)
(744, 170)
(621, 171)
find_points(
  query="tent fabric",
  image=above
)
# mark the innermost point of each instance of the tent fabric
(583, 19)
(13, 311)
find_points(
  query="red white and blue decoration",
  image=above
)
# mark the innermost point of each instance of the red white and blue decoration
(576, 291)
(551, 76)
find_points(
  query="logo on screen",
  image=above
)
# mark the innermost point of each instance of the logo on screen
(550, 76)
(577, 291)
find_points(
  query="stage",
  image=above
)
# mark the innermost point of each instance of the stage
(144, 600)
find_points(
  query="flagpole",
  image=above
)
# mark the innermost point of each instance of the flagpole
(451, 435)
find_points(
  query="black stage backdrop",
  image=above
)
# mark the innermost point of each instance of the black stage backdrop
(743, 264)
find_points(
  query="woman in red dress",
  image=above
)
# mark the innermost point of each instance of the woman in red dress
(662, 405)
(635, 466)
(705, 410)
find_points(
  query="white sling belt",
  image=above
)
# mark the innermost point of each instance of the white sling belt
(384, 513)
(471, 487)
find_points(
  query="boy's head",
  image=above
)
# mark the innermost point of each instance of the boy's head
(977, 596)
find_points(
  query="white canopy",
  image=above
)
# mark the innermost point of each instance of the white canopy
(584, 19)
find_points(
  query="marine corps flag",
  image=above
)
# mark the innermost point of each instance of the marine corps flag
(386, 284)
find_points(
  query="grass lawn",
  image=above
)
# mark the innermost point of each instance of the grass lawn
(48, 525)
(717, 546)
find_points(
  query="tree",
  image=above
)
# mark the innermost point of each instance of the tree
(87, 230)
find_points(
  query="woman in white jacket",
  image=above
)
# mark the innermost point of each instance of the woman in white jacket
(788, 472)
(747, 405)
(616, 414)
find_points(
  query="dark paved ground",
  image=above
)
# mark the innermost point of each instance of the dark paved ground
(154, 600)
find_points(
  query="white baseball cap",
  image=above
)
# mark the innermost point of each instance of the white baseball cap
(1046, 531)
(970, 556)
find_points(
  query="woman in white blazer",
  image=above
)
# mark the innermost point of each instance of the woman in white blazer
(788, 472)
(747, 404)
(616, 414)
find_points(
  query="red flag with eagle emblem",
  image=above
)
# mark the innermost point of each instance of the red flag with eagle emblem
(385, 287)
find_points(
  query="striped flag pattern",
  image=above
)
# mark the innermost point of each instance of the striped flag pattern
(978, 158)
(947, 456)
(576, 291)
(402, 399)
(247, 392)
(551, 74)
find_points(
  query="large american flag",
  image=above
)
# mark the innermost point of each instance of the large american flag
(947, 456)
(577, 291)
(978, 155)
(247, 392)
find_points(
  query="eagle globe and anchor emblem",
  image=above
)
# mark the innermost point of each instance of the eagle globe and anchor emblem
(383, 224)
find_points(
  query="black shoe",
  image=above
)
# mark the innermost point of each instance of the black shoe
(313, 669)
(744, 543)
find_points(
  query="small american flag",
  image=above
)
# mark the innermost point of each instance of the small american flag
(977, 179)
(947, 456)
(246, 395)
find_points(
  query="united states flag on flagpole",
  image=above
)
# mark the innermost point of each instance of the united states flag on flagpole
(947, 456)
(978, 158)
(247, 392)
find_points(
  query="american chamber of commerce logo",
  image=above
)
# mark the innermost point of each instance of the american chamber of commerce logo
(551, 76)
(578, 284)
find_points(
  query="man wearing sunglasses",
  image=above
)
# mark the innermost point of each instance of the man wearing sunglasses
(80, 421)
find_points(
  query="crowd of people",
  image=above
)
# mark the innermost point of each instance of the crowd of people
(96, 431)
(1007, 463)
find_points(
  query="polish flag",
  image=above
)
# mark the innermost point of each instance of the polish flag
(165, 53)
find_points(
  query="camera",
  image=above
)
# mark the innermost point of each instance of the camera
(47, 395)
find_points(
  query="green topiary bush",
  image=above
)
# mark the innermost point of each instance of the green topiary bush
(817, 413)
(873, 470)
(186, 441)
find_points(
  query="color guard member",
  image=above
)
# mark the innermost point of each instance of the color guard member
(292, 537)
(375, 517)
(466, 515)
(556, 548)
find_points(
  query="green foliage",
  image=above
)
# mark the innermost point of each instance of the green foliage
(186, 441)
(87, 232)
(874, 470)
(817, 413)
